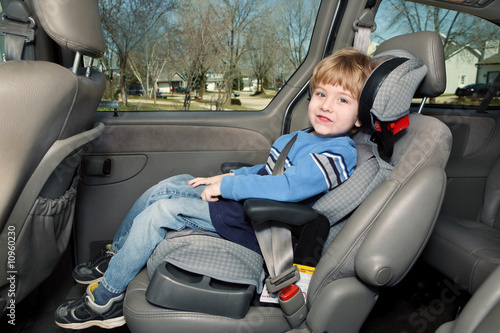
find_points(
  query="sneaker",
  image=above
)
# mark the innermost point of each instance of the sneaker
(84, 313)
(93, 271)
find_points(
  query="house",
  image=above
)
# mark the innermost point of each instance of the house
(213, 81)
(461, 69)
(249, 84)
(175, 81)
(464, 66)
(488, 69)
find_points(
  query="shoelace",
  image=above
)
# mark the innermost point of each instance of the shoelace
(101, 254)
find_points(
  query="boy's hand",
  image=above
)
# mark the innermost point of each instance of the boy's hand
(212, 191)
(205, 180)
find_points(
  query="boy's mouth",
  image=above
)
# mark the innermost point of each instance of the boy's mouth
(324, 119)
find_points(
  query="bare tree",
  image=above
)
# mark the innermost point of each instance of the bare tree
(295, 26)
(457, 30)
(262, 50)
(126, 22)
(148, 60)
(237, 15)
(199, 37)
(107, 65)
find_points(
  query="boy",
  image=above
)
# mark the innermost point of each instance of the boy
(321, 158)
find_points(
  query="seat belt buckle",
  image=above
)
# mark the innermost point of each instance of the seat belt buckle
(395, 126)
(276, 283)
(293, 305)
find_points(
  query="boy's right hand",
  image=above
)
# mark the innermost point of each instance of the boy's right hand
(206, 180)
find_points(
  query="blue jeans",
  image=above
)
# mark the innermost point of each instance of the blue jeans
(171, 204)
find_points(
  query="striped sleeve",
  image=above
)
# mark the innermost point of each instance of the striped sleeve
(333, 167)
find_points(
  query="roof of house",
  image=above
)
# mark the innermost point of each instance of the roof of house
(170, 78)
(493, 60)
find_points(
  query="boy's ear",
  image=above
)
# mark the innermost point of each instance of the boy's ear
(357, 123)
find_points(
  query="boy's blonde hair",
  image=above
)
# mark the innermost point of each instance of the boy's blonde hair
(347, 68)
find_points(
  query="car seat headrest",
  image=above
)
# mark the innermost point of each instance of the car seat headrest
(386, 96)
(427, 46)
(73, 24)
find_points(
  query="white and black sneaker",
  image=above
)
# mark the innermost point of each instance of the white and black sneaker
(93, 271)
(84, 313)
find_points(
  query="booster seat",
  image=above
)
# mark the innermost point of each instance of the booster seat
(373, 247)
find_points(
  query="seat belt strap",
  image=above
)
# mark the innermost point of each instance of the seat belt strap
(13, 47)
(275, 241)
(495, 85)
(279, 166)
(363, 28)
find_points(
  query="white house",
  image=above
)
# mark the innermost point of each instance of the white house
(167, 82)
(249, 84)
(461, 69)
(214, 81)
(465, 66)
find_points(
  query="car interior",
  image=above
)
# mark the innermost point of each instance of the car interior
(411, 241)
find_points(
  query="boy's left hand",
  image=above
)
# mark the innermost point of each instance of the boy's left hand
(212, 191)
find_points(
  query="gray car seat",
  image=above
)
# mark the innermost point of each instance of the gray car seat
(467, 251)
(47, 116)
(372, 248)
(482, 313)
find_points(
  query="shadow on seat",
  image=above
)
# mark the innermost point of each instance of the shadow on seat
(374, 247)
(47, 116)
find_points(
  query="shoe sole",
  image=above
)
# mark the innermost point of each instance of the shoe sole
(88, 282)
(108, 323)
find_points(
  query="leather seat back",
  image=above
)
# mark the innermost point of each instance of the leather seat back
(46, 111)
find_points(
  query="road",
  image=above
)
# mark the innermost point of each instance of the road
(248, 101)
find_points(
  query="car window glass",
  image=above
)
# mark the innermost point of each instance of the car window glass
(202, 55)
(471, 47)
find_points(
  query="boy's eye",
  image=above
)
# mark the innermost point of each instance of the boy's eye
(320, 94)
(342, 100)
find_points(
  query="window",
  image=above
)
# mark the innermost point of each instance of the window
(491, 76)
(203, 55)
(462, 81)
(471, 46)
(2, 53)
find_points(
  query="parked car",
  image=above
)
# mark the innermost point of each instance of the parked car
(401, 261)
(135, 90)
(181, 90)
(162, 94)
(474, 90)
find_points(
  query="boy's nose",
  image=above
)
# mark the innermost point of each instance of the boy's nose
(327, 106)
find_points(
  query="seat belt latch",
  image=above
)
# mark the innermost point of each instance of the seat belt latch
(18, 28)
(293, 305)
(276, 283)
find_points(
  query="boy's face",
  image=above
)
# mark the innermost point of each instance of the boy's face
(332, 110)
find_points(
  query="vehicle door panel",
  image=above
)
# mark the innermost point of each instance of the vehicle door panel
(138, 151)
